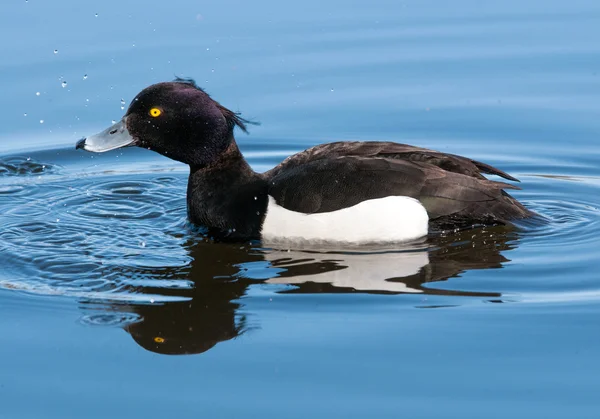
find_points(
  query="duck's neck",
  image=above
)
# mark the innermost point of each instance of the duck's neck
(227, 196)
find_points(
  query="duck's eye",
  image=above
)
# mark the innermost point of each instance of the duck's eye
(158, 339)
(154, 112)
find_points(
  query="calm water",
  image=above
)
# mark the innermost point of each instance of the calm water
(111, 304)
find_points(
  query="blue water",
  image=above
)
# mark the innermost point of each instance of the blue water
(111, 304)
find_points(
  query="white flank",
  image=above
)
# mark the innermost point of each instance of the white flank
(384, 220)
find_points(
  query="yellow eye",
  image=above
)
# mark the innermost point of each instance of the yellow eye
(158, 339)
(154, 112)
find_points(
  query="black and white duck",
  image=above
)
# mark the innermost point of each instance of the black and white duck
(353, 192)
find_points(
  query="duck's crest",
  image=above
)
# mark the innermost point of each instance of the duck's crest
(233, 118)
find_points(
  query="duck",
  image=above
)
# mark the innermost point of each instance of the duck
(347, 191)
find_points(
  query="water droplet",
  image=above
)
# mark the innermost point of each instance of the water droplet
(64, 84)
(25, 114)
(332, 89)
(134, 45)
(142, 244)
(41, 121)
(257, 212)
(37, 93)
(256, 198)
(113, 121)
(85, 76)
(122, 104)
(58, 220)
(56, 51)
(208, 49)
(28, 158)
(152, 300)
(96, 15)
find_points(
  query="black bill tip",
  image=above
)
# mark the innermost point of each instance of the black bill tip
(80, 144)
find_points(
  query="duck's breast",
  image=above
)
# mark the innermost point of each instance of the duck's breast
(383, 220)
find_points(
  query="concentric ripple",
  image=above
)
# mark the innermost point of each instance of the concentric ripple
(122, 235)
(569, 222)
(91, 236)
(25, 166)
(571, 207)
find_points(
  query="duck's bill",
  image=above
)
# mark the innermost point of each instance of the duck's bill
(113, 137)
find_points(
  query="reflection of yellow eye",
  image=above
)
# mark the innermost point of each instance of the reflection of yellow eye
(154, 112)
(158, 339)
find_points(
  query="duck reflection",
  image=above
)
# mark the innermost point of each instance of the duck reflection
(222, 274)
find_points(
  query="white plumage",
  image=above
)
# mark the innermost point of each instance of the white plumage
(384, 220)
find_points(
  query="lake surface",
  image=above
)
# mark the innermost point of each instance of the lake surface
(111, 304)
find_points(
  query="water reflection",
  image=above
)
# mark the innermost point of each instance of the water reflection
(222, 274)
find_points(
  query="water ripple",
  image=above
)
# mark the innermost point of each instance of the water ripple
(569, 222)
(25, 166)
(78, 236)
(124, 237)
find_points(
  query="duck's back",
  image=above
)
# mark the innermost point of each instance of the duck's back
(335, 176)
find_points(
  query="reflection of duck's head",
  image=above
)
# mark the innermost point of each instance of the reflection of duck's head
(187, 327)
(221, 274)
(209, 313)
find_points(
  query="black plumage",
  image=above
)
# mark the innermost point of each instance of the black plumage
(337, 175)
(227, 196)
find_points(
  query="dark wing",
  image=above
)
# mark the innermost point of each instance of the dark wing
(335, 176)
(396, 151)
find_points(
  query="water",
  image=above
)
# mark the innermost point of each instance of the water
(103, 281)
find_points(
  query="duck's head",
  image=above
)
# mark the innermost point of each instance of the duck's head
(176, 119)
